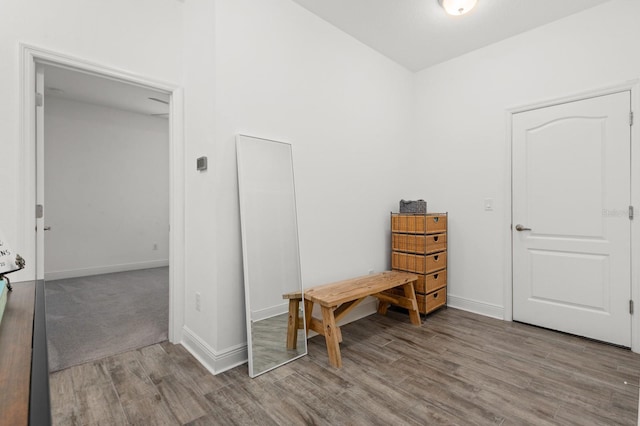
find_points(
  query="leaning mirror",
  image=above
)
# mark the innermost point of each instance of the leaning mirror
(272, 278)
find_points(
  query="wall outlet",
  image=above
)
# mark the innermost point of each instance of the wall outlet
(155, 246)
(488, 204)
(198, 296)
(370, 271)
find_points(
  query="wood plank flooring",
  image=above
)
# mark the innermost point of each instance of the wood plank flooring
(457, 368)
(269, 348)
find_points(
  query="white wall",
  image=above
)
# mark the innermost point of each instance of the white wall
(143, 37)
(106, 189)
(461, 127)
(285, 74)
(201, 188)
(272, 69)
(282, 73)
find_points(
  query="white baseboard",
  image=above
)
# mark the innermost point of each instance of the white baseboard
(482, 308)
(219, 361)
(108, 269)
(214, 361)
(270, 312)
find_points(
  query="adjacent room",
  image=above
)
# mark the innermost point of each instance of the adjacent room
(106, 239)
(349, 212)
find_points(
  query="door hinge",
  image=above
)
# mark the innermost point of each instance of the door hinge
(631, 306)
(39, 211)
(631, 118)
(39, 100)
(631, 212)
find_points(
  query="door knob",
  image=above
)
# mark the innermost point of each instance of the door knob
(522, 228)
(47, 228)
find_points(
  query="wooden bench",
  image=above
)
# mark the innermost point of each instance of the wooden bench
(338, 299)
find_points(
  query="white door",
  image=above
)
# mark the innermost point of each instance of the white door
(571, 227)
(40, 211)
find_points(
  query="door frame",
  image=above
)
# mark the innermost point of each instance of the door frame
(31, 55)
(634, 87)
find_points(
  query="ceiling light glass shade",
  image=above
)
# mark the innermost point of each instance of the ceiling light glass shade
(457, 7)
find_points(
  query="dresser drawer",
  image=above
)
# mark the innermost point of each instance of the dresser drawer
(419, 224)
(431, 282)
(430, 302)
(421, 264)
(419, 244)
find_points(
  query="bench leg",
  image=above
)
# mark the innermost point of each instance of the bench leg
(308, 310)
(410, 294)
(292, 327)
(331, 335)
(383, 307)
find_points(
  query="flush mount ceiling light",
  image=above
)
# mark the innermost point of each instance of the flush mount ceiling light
(457, 7)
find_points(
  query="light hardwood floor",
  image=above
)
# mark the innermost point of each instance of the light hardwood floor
(457, 368)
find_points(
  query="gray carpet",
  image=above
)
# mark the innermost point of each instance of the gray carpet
(89, 318)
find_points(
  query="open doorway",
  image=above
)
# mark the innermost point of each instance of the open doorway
(32, 227)
(106, 215)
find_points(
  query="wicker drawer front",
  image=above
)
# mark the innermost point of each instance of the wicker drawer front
(420, 285)
(419, 224)
(421, 264)
(431, 282)
(426, 283)
(407, 262)
(420, 244)
(432, 301)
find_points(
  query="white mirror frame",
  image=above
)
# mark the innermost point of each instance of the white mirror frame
(266, 190)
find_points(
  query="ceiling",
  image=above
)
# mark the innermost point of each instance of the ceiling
(415, 33)
(75, 85)
(418, 33)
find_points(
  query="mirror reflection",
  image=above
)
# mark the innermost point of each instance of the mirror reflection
(272, 277)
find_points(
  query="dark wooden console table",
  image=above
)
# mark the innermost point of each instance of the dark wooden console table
(24, 370)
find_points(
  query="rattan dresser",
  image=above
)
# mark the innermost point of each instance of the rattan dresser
(419, 245)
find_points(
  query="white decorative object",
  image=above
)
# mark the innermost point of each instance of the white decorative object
(7, 258)
(9, 262)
